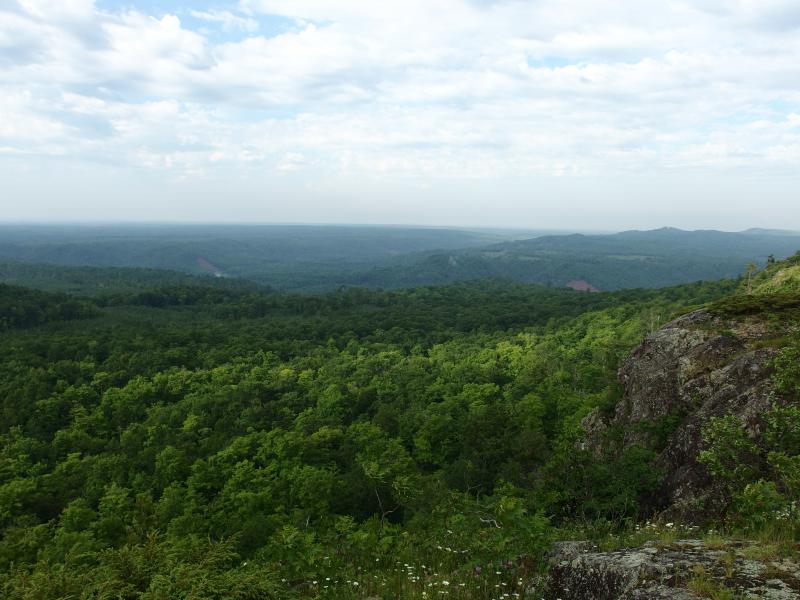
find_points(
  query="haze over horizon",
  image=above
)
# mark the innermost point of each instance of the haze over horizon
(571, 115)
(122, 224)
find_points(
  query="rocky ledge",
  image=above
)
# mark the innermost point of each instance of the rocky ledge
(681, 570)
(696, 367)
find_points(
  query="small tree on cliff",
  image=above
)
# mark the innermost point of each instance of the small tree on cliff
(751, 268)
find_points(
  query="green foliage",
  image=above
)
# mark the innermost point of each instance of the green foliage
(581, 485)
(706, 587)
(191, 442)
(758, 504)
(761, 478)
(323, 258)
(625, 260)
(731, 454)
(21, 308)
(304, 257)
(787, 371)
(764, 304)
(151, 569)
(779, 277)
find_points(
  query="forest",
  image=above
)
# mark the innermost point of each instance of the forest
(225, 441)
(308, 258)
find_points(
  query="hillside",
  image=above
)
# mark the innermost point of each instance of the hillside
(270, 431)
(783, 276)
(21, 308)
(102, 281)
(629, 259)
(323, 258)
(282, 256)
(196, 441)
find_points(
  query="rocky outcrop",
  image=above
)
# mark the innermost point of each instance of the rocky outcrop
(682, 570)
(696, 367)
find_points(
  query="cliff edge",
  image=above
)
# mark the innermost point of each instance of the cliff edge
(699, 366)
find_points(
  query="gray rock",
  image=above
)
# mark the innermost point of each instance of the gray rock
(657, 571)
(694, 368)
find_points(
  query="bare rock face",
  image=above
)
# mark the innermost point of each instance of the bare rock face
(696, 367)
(682, 570)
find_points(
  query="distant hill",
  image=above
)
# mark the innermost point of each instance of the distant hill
(100, 281)
(235, 248)
(656, 258)
(760, 231)
(318, 258)
(283, 256)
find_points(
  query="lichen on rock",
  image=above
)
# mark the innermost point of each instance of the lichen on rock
(682, 570)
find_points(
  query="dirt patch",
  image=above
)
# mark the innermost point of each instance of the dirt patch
(581, 285)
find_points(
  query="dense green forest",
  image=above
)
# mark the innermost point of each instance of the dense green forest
(281, 256)
(190, 441)
(629, 259)
(101, 281)
(323, 258)
(21, 307)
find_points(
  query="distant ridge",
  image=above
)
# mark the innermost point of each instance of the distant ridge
(760, 231)
(314, 259)
(628, 259)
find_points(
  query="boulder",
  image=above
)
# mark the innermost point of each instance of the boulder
(696, 367)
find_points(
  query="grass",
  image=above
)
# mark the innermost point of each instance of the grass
(714, 540)
(420, 581)
(609, 536)
(783, 534)
(741, 305)
(728, 560)
(762, 552)
(706, 587)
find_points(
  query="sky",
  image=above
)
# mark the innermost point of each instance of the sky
(588, 114)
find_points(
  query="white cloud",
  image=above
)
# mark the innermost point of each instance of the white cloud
(228, 20)
(452, 90)
(58, 10)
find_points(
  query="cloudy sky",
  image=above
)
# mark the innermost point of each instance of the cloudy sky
(531, 113)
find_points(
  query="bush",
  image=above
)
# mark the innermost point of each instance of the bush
(758, 504)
